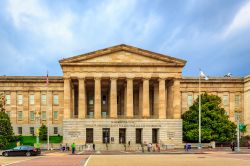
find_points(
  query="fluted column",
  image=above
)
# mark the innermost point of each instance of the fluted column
(177, 99)
(97, 110)
(162, 99)
(145, 102)
(113, 98)
(129, 97)
(67, 98)
(81, 99)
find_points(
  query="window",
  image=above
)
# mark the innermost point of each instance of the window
(7, 98)
(55, 130)
(225, 100)
(55, 115)
(44, 99)
(20, 130)
(20, 115)
(32, 131)
(20, 99)
(8, 113)
(32, 115)
(55, 100)
(44, 115)
(190, 100)
(32, 99)
(237, 100)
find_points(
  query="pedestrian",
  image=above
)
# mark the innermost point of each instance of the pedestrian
(73, 146)
(248, 144)
(148, 146)
(232, 145)
(158, 147)
(142, 147)
(94, 146)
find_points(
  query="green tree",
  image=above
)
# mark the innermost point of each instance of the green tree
(43, 131)
(215, 125)
(6, 130)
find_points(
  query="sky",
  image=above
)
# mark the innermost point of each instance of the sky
(209, 34)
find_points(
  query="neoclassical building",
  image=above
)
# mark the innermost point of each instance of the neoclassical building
(116, 95)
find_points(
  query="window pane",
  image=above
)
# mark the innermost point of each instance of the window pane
(20, 115)
(190, 100)
(32, 115)
(55, 115)
(55, 100)
(225, 100)
(44, 115)
(32, 130)
(7, 98)
(44, 102)
(55, 130)
(32, 99)
(237, 100)
(20, 99)
(20, 130)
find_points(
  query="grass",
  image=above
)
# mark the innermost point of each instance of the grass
(30, 140)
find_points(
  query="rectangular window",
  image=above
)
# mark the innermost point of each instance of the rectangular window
(43, 115)
(20, 99)
(20, 130)
(7, 98)
(32, 115)
(44, 99)
(237, 100)
(55, 100)
(8, 113)
(55, 130)
(32, 99)
(190, 100)
(32, 131)
(19, 115)
(225, 100)
(55, 115)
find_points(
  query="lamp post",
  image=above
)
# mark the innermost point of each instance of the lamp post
(206, 78)
(37, 127)
(237, 118)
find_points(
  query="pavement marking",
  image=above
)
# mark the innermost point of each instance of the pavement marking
(86, 162)
(22, 160)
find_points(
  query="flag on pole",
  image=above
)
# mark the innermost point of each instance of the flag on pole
(47, 79)
(203, 75)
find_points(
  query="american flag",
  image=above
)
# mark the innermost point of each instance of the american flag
(47, 79)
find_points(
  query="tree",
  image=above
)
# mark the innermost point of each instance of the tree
(43, 131)
(6, 130)
(215, 125)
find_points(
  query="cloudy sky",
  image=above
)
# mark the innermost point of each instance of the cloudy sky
(210, 34)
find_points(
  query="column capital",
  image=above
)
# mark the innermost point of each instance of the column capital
(113, 78)
(146, 78)
(81, 78)
(66, 77)
(97, 78)
(162, 78)
(129, 78)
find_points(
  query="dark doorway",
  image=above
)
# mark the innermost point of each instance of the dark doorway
(155, 136)
(122, 136)
(89, 135)
(105, 135)
(138, 136)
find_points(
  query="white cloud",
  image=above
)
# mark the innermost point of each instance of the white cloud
(34, 17)
(240, 22)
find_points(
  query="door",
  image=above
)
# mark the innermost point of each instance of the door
(155, 136)
(138, 136)
(122, 136)
(106, 135)
(89, 135)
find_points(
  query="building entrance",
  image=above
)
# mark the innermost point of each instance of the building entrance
(122, 136)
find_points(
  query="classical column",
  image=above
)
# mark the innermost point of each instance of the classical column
(177, 99)
(97, 110)
(67, 98)
(162, 99)
(113, 98)
(145, 102)
(81, 99)
(129, 98)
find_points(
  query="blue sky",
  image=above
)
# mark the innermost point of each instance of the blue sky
(210, 34)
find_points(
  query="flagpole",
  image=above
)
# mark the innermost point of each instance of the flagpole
(199, 146)
(47, 84)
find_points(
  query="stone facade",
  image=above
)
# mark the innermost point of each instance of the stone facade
(116, 95)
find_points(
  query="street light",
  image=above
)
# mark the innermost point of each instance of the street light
(202, 75)
(237, 118)
(37, 127)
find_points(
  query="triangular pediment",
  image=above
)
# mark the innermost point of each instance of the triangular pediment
(123, 54)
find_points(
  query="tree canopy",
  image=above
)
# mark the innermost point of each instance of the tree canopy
(215, 125)
(6, 130)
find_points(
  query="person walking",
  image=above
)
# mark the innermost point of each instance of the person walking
(73, 147)
(93, 146)
(142, 147)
